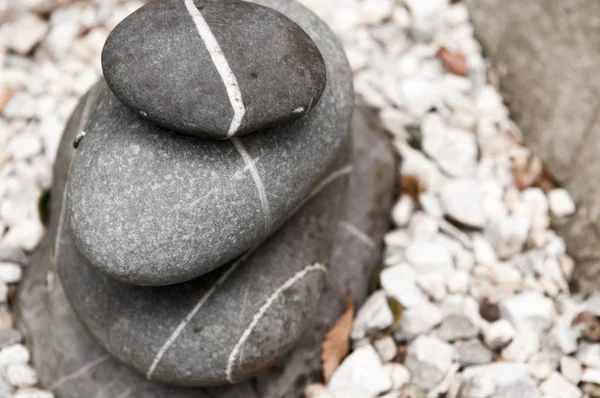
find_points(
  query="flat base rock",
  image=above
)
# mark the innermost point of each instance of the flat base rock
(550, 81)
(72, 365)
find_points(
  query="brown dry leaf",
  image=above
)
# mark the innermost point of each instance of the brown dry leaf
(592, 325)
(4, 98)
(547, 182)
(337, 342)
(453, 62)
(527, 173)
(412, 186)
(397, 310)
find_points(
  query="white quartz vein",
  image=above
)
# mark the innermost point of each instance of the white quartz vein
(330, 178)
(81, 371)
(261, 312)
(262, 193)
(169, 342)
(220, 62)
(358, 234)
(125, 393)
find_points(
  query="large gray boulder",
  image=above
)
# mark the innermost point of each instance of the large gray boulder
(547, 54)
(73, 365)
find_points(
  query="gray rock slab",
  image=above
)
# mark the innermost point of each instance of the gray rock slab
(551, 83)
(152, 207)
(72, 364)
(213, 68)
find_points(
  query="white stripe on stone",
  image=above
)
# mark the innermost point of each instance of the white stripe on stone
(81, 371)
(328, 180)
(220, 62)
(261, 312)
(126, 393)
(262, 193)
(169, 342)
(360, 235)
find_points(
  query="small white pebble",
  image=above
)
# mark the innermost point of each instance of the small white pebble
(361, 369)
(398, 374)
(386, 348)
(373, 315)
(523, 346)
(561, 203)
(21, 375)
(10, 272)
(591, 375)
(402, 210)
(558, 386)
(543, 364)
(317, 391)
(25, 235)
(498, 333)
(589, 354)
(24, 33)
(484, 253)
(30, 392)
(16, 353)
(458, 282)
(432, 284)
(571, 369)
(21, 105)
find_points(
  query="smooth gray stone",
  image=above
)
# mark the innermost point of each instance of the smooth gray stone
(157, 63)
(225, 326)
(70, 362)
(151, 207)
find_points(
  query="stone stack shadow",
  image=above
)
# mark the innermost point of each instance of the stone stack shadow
(192, 237)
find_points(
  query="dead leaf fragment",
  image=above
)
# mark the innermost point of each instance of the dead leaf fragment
(453, 62)
(592, 325)
(397, 310)
(531, 172)
(547, 182)
(337, 342)
(4, 98)
(527, 173)
(412, 186)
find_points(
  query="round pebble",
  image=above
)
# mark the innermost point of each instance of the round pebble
(219, 68)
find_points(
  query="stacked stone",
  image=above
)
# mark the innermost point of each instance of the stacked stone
(193, 225)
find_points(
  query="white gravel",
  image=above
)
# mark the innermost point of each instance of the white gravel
(49, 57)
(483, 280)
(471, 238)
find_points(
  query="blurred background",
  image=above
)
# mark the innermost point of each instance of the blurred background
(493, 108)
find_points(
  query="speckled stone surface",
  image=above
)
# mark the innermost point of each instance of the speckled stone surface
(163, 63)
(73, 365)
(235, 321)
(151, 207)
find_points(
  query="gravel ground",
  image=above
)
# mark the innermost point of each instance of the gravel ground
(482, 279)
